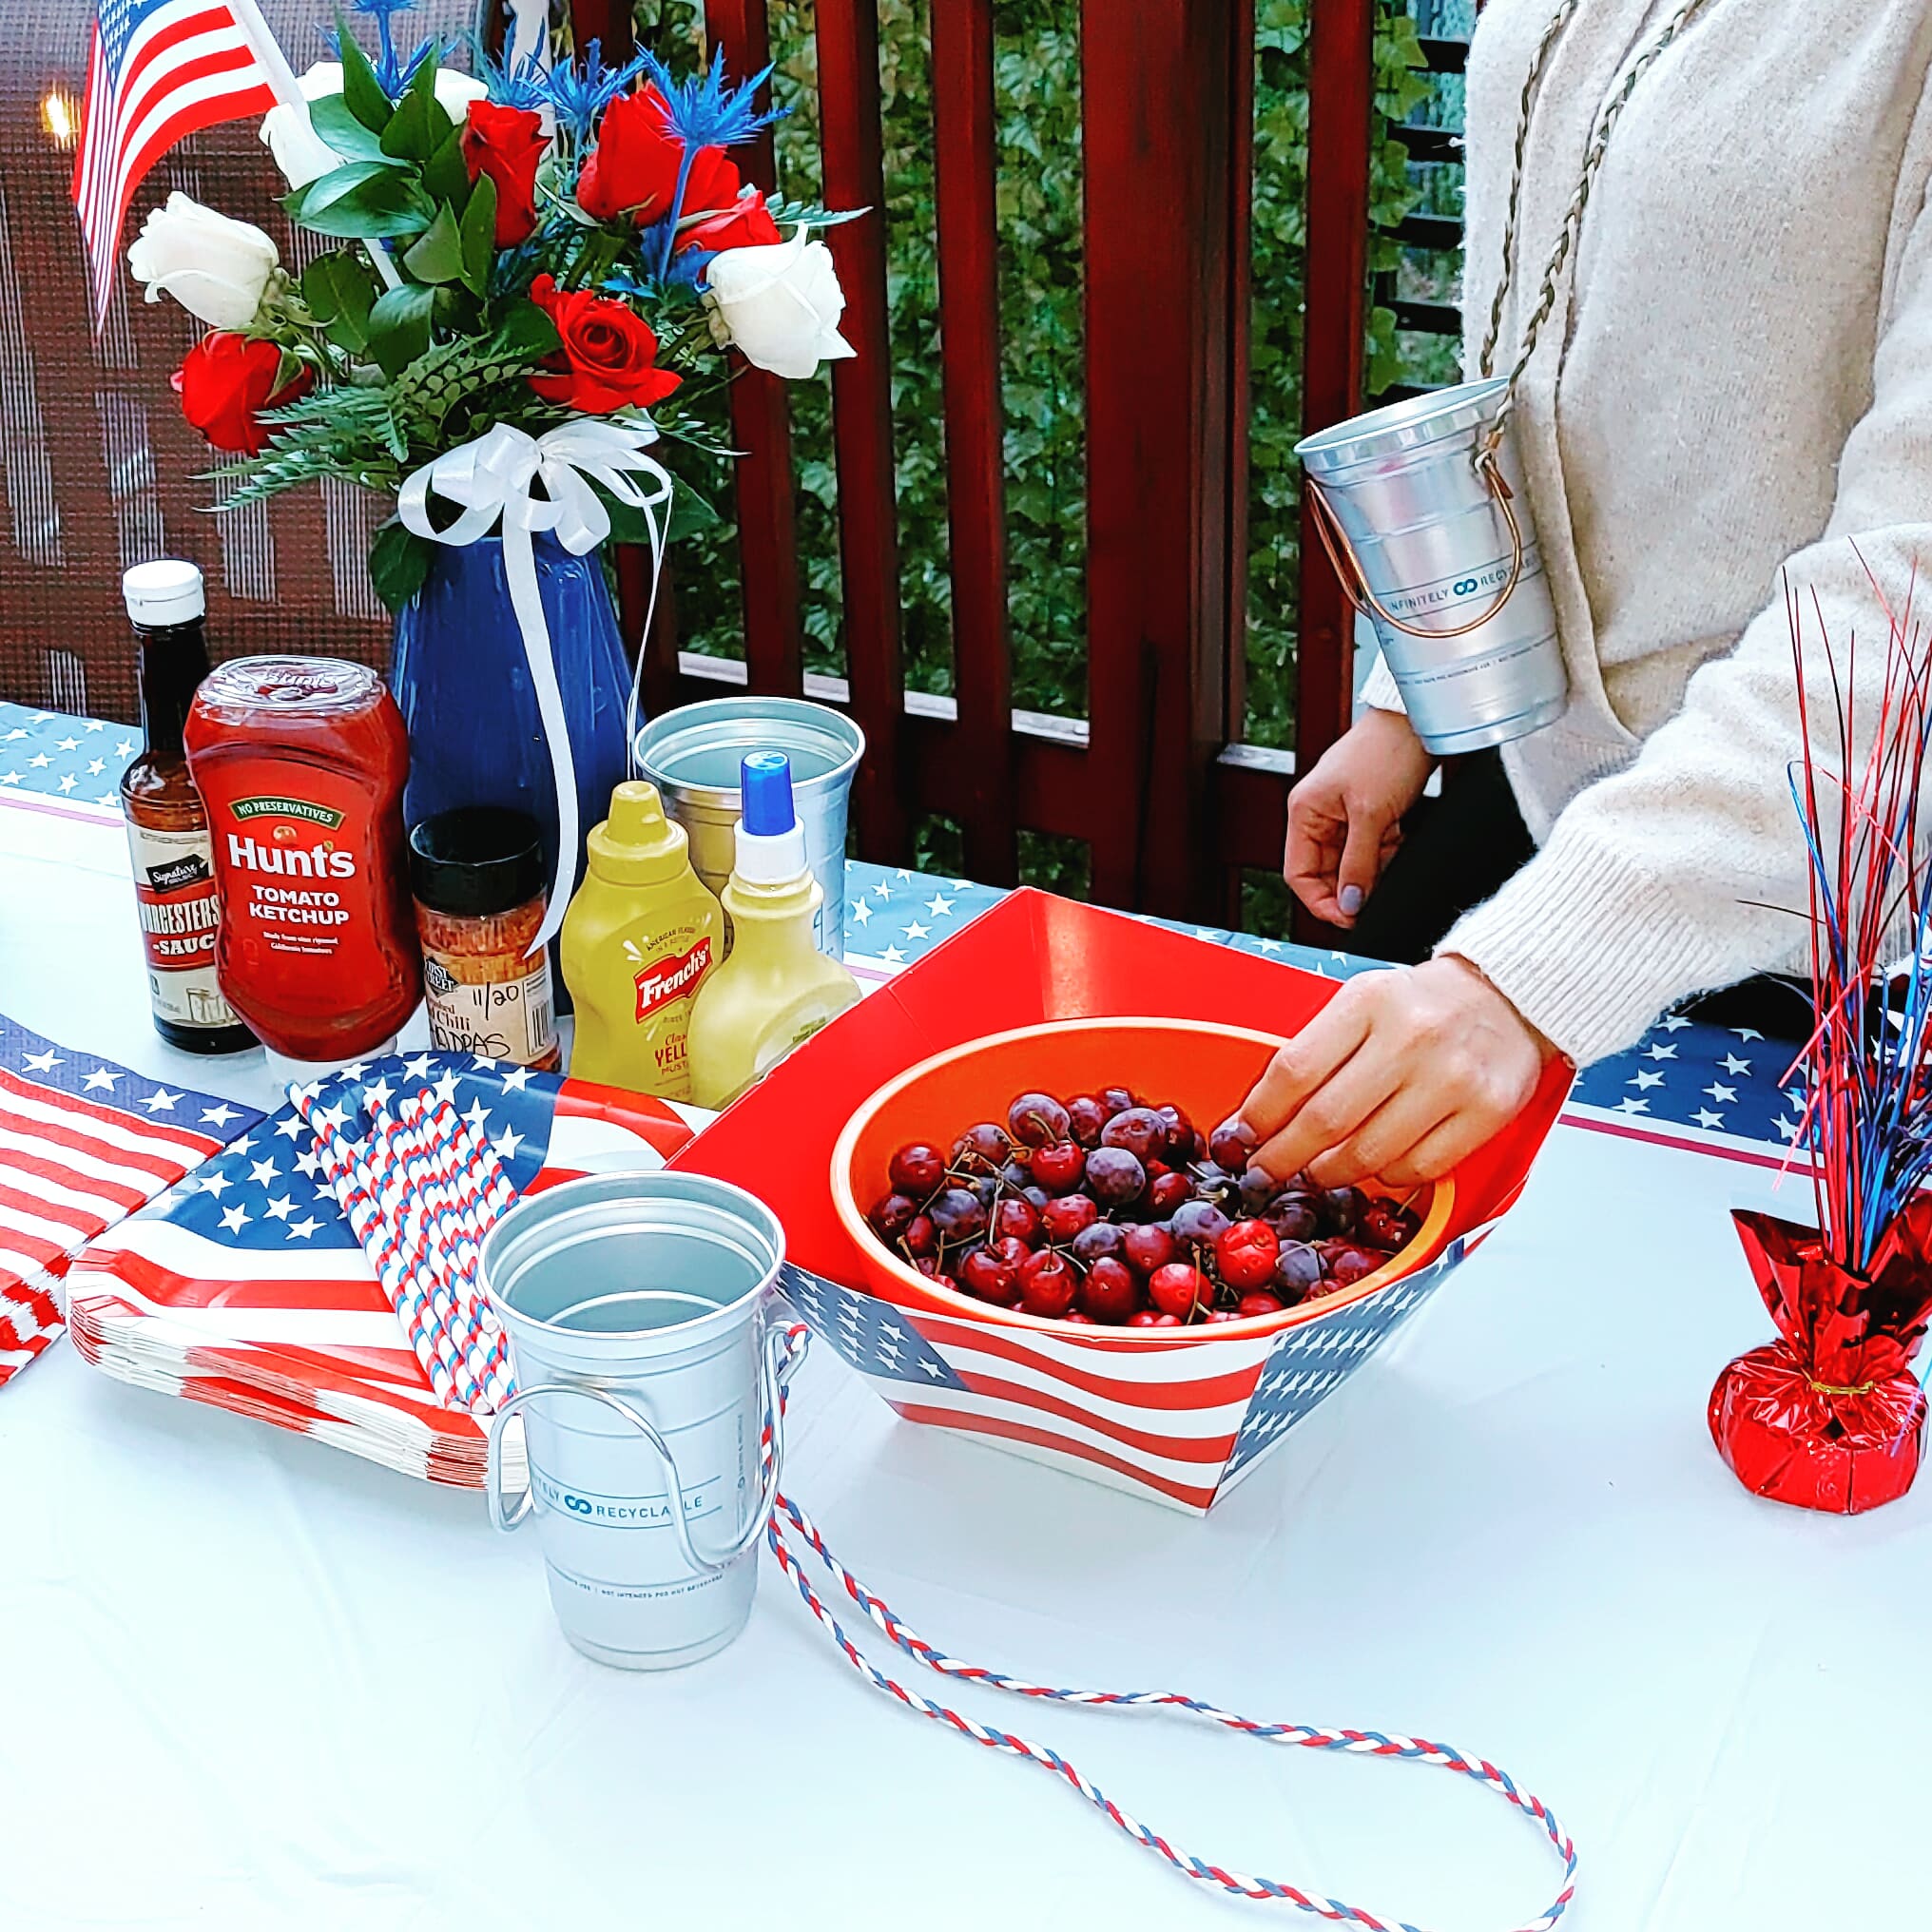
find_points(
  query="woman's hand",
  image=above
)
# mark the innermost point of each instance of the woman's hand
(1345, 819)
(1398, 1077)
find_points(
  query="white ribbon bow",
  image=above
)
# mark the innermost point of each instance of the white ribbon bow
(490, 479)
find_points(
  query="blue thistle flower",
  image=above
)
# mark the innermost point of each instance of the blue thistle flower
(393, 71)
(704, 113)
(580, 90)
(526, 85)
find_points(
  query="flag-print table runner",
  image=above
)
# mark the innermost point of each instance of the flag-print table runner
(83, 1142)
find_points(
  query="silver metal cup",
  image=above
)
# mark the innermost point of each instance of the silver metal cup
(648, 1350)
(691, 755)
(1427, 528)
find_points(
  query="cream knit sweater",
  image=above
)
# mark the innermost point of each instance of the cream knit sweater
(1746, 364)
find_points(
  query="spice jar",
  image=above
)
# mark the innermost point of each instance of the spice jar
(478, 879)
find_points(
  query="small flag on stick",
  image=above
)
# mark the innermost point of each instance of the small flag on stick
(158, 71)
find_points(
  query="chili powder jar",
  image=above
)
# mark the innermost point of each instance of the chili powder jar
(477, 873)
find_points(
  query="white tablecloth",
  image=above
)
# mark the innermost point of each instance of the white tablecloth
(249, 1682)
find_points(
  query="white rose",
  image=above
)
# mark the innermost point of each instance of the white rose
(217, 269)
(304, 156)
(779, 305)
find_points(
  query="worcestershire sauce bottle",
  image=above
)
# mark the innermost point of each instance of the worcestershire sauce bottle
(167, 830)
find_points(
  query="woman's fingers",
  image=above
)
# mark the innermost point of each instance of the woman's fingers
(1316, 838)
(1304, 1063)
(1385, 1139)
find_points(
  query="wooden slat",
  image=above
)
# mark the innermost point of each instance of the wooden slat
(1241, 319)
(967, 212)
(761, 422)
(1157, 150)
(1341, 105)
(861, 411)
(606, 20)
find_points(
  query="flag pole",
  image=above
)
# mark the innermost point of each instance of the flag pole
(268, 51)
(287, 90)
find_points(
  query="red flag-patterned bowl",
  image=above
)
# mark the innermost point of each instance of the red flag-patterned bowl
(1205, 1069)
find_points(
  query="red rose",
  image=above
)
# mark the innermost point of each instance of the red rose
(745, 224)
(506, 143)
(609, 356)
(226, 382)
(635, 166)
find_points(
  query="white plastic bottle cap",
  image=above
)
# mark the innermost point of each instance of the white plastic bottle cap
(164, 591)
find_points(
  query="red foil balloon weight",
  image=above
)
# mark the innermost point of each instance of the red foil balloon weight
(1830, 1416)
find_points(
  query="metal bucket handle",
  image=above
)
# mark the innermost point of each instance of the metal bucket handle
(1355, 583)
(781, 1355)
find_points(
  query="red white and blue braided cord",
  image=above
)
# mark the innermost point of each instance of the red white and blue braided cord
(1311, 1737)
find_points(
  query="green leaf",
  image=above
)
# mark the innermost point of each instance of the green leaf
(479, 233)
(399, 563)
(335, 121)
(446, 174)
(365, 199)
(400, 326)
(524, 330)
(340, 291)
(439, 254)
(420, 125)
(361, 91)
(689, 513)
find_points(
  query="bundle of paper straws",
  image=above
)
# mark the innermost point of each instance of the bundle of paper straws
(420, 1193)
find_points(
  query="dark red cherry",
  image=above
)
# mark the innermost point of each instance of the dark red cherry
(1067, 1217)
(1168, 1192)
(983, 1149)
(893, 1215)
(1033, 1119)
(1148, 1247)
(1297, 1270)
(1232, 1144)
(1292, 1217)
(990, 1276)
(1059, 1165)
(1109, 1293)
(1348, 1264)
(920, 1237)
(917, 1169)
(1047, 1283)
(1086, 1116)
(1198, 1222)
(1260, 1302)
(1017, 1217)
(1180, 1131)
(1153, 1318)
(959, 1215)
(1115, 1100)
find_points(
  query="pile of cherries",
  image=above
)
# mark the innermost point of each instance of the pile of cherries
(1103, 1208)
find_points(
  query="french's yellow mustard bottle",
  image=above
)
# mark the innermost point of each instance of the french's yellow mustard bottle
(777, 988)
(639, 939)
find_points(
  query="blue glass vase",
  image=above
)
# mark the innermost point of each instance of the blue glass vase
(463, 685)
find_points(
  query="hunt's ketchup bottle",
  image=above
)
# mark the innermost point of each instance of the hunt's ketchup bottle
(168, 831)
(301, 762)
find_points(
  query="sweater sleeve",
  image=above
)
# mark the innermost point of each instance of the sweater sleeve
(1379, 690)
(1658, 882)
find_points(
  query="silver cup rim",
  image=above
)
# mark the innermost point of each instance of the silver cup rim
(715, 723)
(1413, 424)
(571, 1213)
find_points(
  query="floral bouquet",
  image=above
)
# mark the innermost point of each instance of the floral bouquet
(532, 277)
(1831, 1415)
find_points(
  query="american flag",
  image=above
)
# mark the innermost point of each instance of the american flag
(158, 71)
(1180, 1424)
(245, 1286)
(83, 1143)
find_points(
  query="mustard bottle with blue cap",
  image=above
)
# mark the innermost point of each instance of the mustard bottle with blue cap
(639, 938)
(776, 988)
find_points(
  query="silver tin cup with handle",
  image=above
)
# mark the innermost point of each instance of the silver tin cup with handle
(692, 754)
(650, 1348)
(1420, 508)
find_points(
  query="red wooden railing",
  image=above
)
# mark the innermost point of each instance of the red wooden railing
(1170, 810)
